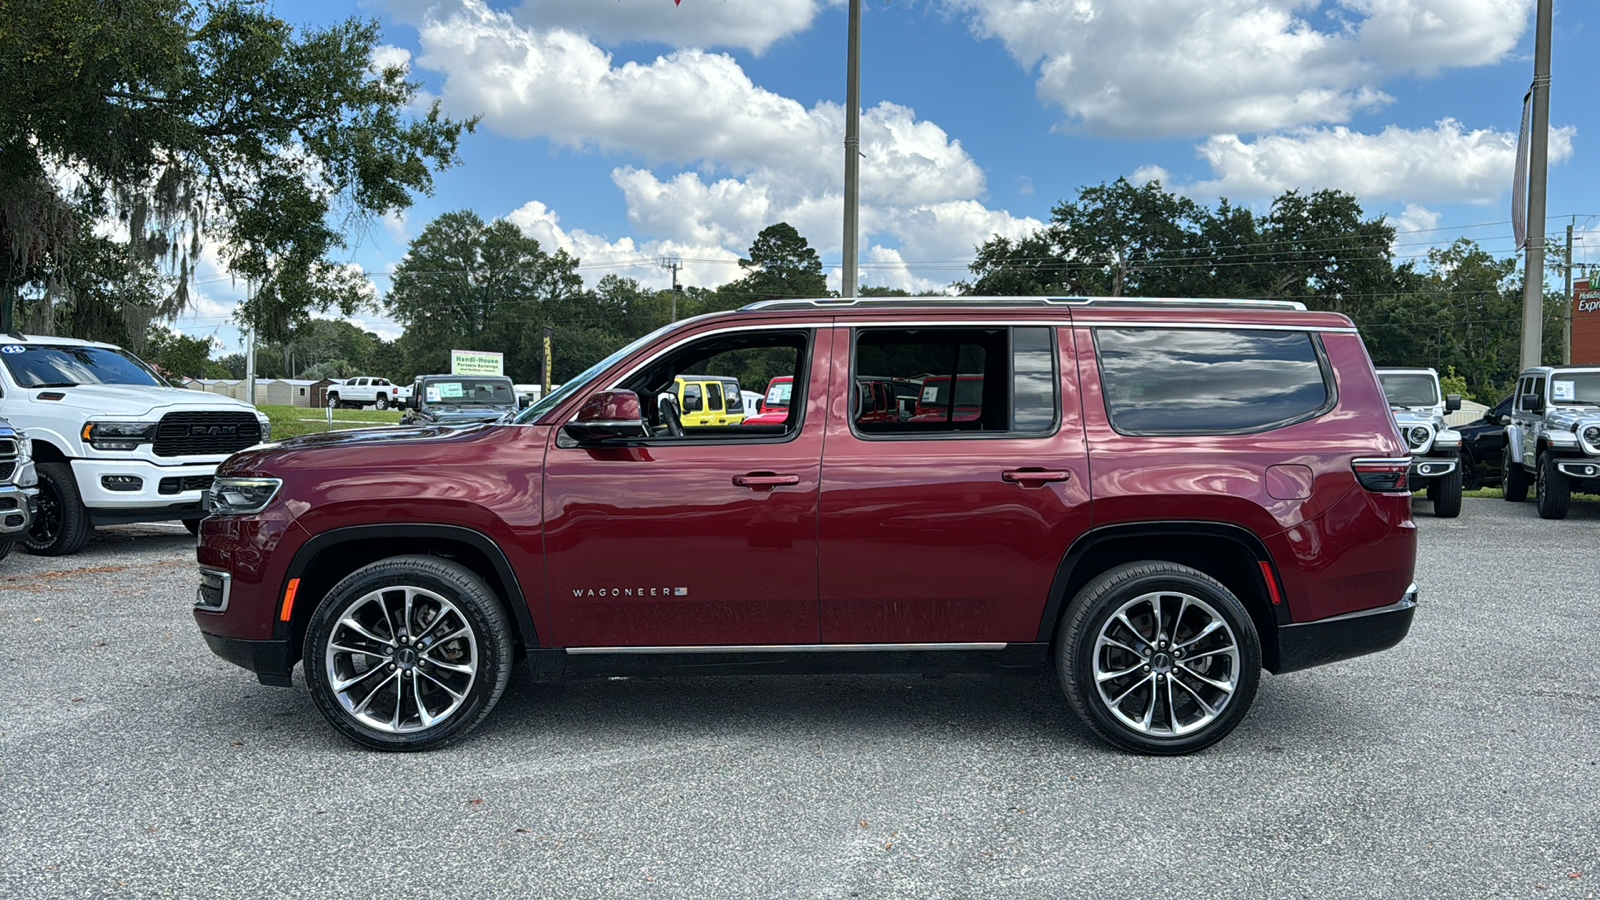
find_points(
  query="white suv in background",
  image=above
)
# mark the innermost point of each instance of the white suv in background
(111, 441)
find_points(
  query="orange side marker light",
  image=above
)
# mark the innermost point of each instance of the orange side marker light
(294, 585)
(1266, 572)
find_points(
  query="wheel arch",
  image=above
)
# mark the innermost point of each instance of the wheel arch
(328, 557)
(44, 451)
(1229, 553)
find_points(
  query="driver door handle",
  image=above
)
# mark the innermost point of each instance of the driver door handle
(1033, 477)
(764, 481)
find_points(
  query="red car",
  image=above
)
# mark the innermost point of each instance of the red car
(775, 405)
(1157, 499)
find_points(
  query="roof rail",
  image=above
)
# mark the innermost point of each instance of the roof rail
(1019, 302)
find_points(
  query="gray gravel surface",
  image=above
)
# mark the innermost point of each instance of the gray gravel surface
(1464, 763)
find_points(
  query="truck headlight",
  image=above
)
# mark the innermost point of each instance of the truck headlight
(233, 496)
(118, 435)
(1591, 435)
(266, 428)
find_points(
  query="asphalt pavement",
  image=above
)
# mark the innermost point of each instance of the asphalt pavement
(1463, 763)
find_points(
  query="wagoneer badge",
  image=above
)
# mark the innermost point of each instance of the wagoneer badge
(631, 592)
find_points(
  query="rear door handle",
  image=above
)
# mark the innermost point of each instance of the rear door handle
(764, 481)
(1034, 477)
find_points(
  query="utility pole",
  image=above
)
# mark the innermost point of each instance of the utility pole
(673, 264)
(1566, 330)
(1538, 165)
(852, 153)
(250, 351)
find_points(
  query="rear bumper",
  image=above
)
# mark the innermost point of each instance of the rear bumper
(268, 659)
(1302, 645)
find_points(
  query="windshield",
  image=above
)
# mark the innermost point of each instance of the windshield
(1575, 388)
(37, 366)
(581, 380)
(1412, 389)
(779, 393)
(469, 392)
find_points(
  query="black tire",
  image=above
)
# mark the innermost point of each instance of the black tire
(62, 524)
(1445, 492)
(192, 524)
(333, 401)
(1513, 479)
(5, 548)
(372, 596)
(1471, 474)
(1168, 588)
(382, 402)
(1555, 489)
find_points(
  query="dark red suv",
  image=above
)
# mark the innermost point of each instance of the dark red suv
(1158, 498)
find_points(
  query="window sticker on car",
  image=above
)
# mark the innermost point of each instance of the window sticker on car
(1563, 390)
(450, 389)
(433, 393)
(930, 394)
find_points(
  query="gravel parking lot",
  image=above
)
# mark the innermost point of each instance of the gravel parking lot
(1464, 763)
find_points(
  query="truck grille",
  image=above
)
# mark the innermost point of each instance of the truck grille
(206, 433)
(8, 458)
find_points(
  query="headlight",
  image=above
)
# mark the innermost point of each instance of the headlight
(1591, 435)
(1418, 435)
(118, 435)
(266, 428)
(240, 496)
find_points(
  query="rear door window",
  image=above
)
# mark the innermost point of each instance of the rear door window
(991, 381)
(1210, 381)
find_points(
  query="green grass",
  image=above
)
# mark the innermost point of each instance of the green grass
(288, 421)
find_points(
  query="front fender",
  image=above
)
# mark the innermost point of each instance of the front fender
(1514, 442)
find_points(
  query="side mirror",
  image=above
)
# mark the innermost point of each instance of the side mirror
(608, 415)
(1452, 402)
(693, 404)
(1532, 403)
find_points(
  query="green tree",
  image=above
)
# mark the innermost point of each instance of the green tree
(470, 285)
(178, 356)
(187, 120)
(781, 264)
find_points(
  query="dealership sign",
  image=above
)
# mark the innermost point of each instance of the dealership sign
(477, 362)
(1585, 299)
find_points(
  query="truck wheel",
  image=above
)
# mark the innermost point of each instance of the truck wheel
(333, 401)
(383, 401)
(1513, 480)
(1158, 658)
(1471, 474)
(5, 548)
(1445, 493)
(408, 653)
(1555, 491)
(62, 525)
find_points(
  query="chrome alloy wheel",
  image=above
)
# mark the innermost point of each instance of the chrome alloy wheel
(401, 659)
(1166, 664)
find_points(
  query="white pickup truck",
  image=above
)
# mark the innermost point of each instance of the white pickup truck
(18, 491)
(365, 391)
(110, 441)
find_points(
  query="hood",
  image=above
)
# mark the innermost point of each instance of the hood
(1418, 415)
(380, 440)
(133, 401)
(456, 415)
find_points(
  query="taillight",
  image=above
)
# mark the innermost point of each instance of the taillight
(1384, 475)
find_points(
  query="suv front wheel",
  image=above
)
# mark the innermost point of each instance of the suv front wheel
(408, 653)
(1513, 478)
(1555, 491)
(1158, 658)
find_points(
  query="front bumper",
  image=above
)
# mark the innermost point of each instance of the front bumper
(1302, 645)
(1425, 467)
(16, 510)
(179, 489)
(270, 660)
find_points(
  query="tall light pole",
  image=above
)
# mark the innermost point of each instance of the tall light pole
(1538, 163)
(852, 153)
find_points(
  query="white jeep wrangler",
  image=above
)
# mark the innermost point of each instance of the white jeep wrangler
(1553, 438)
(110, 440)
(1419, 410)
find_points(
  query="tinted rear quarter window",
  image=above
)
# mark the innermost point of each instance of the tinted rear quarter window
(1210, 381)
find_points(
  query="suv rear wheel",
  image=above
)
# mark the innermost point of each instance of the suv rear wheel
(1158, 658)
(1555, 491)
(408, 653)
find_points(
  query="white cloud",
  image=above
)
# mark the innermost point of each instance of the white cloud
(703, 264)
(1181, 67)
(1446, 163)
(753, 26)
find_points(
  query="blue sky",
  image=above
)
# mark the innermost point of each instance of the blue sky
(625, 131)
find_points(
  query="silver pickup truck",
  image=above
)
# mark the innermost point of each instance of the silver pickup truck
(18, 487)
(1553, 438)
(1419, 410)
